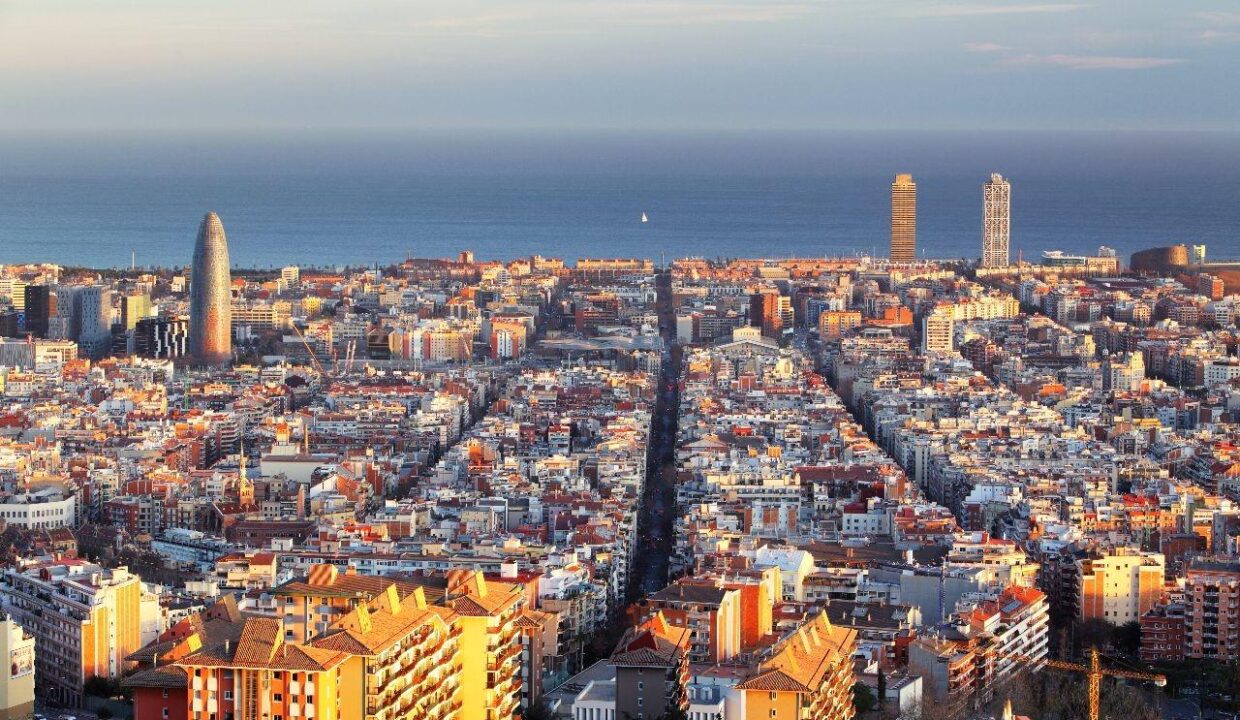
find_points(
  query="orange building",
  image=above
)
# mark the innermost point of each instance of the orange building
(262, 677)
(86, 621)
(832, 324)
(309, 606)
(409, 653)
(808, 676)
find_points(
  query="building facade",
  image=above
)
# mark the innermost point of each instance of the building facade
(903, 219)
(996, 222)
(210, 296)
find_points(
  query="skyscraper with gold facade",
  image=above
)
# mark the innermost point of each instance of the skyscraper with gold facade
(903, 219)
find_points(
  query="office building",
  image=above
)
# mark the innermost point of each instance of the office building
(161, 337)
(134, 307)
(90, 322)
(210, 291)
(996, 222)
(903, 219)
(40, 305)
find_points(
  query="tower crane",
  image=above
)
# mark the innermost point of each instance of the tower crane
(1094, 671)
(313, 358)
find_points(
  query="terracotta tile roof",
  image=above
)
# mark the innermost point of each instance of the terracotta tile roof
(654, 642)
(166, 676)
(261, 645)
(801, 660)
(373, 628)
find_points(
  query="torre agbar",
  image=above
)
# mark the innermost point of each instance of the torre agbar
(210, 303)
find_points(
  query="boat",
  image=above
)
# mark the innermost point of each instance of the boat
(644, 218)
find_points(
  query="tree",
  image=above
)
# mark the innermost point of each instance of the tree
(1127, 639)
(99, 686)
(882, 688)
(863, 698)
(537, 711)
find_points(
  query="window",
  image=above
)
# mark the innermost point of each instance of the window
(641, 685)
(277, 697)
(228, 694)
(165, 714)
(165, 695)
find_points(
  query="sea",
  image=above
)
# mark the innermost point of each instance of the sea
(361, 198)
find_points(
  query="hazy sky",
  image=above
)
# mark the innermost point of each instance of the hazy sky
(646, 64)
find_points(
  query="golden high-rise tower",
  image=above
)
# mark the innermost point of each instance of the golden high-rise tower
(903, 219)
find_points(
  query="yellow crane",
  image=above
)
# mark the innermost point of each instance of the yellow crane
(1095, 672)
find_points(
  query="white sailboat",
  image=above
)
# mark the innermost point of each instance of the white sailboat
(644, 218)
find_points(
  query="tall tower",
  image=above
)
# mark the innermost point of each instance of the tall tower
(210, 296)
(903, 219)
(996, 222)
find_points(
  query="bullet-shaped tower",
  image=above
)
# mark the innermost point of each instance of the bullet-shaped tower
(210, 296)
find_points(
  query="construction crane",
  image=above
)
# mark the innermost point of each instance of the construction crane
(1094, 671)
(313, 358)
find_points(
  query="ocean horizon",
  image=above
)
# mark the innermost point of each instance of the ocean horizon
(341, 199)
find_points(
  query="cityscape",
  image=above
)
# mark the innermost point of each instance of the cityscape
(460, 488)
(588, 360)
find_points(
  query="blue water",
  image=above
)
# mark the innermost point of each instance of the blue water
(362, 200)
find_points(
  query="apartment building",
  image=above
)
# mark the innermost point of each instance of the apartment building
(260, 676)
(85, 619)
(711, 613)
(807, 676)
(1120, 586)
(652, 668)
(409, 654)
(17, 685)
(1212, 615)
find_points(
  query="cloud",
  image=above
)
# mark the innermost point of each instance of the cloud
(977, 9)
(1211, 36)
(985, 47)
(1220, 18)
(1093, 62)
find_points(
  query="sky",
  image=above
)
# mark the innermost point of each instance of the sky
(296, 66)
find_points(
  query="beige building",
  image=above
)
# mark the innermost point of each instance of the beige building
(1122, 586)
(17, 690)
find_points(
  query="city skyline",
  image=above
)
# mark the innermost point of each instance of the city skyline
(609, 360)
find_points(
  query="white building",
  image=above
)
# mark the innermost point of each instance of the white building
(47, 508)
